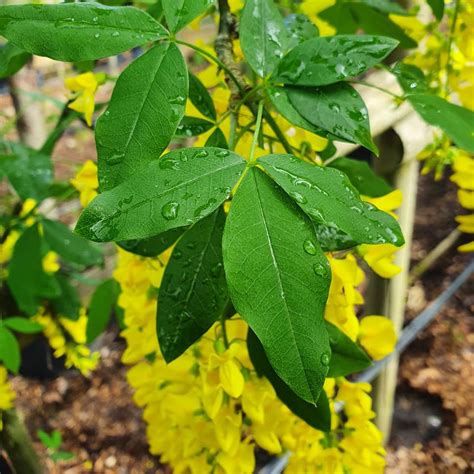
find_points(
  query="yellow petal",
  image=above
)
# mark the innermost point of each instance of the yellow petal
(469, 247)
(377, 336)
(231, 378)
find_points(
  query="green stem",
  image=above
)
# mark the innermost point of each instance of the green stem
(224, 331)
(207, 55)
(450, 43)
(16, 441)
(257, 131)
(381, 89)
(233, 127)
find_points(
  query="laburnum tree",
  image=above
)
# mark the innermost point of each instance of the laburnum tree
(251, 230)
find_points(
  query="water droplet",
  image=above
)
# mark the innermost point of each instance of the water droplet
(177, 253)
(97, 36)
(320, 269)
(170, 210)
(223, 153)
(298, 197)
(95, 19)
(180, 100)
(325, 359)
(310, 247)
(115, 34)
(216, 270)
(201, 154)
(191, 245)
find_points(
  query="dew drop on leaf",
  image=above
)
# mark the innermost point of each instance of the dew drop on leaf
(298, 197)
(170, 210)
(325, 359)
(320, 269)
(309, 247)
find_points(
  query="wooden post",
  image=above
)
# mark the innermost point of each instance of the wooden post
(415, 135)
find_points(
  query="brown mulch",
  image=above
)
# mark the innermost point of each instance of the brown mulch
(96, 416)
(434, 420)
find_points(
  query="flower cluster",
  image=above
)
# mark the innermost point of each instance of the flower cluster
(208, 410)
(67, 338)
(27, 216)
(464, 177)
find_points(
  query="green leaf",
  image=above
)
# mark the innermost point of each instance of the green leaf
(457, 122)
(278, 281)
(318, 416)
(263, 35)
(179, 13)
(100, 308)
(26, 278)
(327, 196)
(411, 78)
(281, 102)
(9, 350)
(52, 441)
(23, 325)
(331, 238)
(12, 59)
(217, 139)
(77, 31)
(153, 246)
(200, 98)
(177, 190)
(385, 6)
(62, 456)
(300, 28)
(377, 23)
(146, 107)
(29, 172)
(193, 293)
(347, 357)
(329, 59)
(71, 247)
(340, 17)
(193, 126)
(437, 7)
(362, 177)
(67, 303)
(338, 109)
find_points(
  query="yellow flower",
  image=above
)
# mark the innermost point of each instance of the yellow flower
(6, 249)
(466, 199)
(411, 24)
(464, 171)
(50, 262)
(86, 182)
(380, 258)
(469, 247)
(467, 223)
(85, 86)
(388, 202)
(7, 395)
(356, 399)
(377, 336)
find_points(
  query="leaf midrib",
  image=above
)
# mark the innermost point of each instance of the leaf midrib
(280, 283)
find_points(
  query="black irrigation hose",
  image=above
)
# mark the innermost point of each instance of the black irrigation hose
(409, 333)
